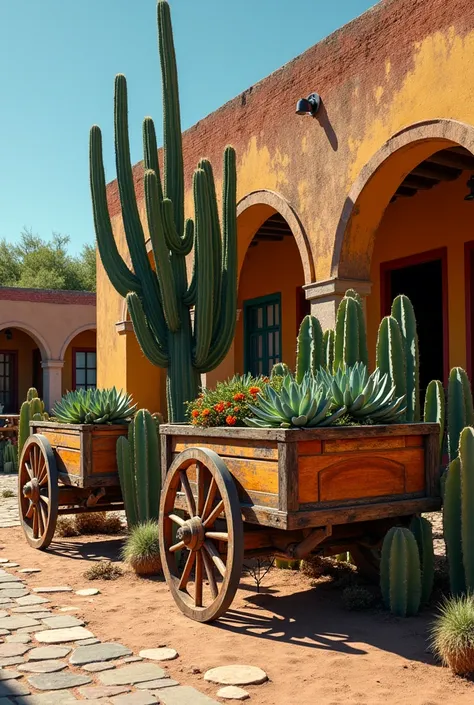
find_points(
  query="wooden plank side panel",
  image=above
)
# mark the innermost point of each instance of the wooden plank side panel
(238, 448)
(68, 460)
(103, 449)
(361, 474)
(253, 475)
(65, 439)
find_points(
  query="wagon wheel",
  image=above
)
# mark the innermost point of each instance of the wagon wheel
(38, 491)
(204, 488)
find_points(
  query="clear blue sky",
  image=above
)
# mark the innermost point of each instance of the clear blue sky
(58, 59)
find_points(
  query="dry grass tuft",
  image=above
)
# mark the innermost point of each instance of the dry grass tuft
(89, 523)
(453, 634)
(103, 570)
(142, 549)
(7, 493)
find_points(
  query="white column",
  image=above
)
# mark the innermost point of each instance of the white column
(52, 382)
(326, 295)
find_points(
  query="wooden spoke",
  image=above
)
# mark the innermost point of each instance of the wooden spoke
(176, 519)
(35, 522)
(176, 546)
(42, 473)
(187, 570)
(209, 499)
(29, 511)
(217, 535)
(218, 509)
(43, 514)
(198, 580)
(216, 559)
(188, 493)
(45, 499)
(44, 481)
(29, 471)
(200, 477)
(210, 574)
(40, 520)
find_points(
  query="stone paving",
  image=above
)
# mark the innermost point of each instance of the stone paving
(49, 658)
(8, 505)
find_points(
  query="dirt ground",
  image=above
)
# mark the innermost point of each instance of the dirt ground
(313, 650)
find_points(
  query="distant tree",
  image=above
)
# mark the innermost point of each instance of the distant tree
(46, 264)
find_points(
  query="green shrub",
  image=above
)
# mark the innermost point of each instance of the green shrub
(94, 406)
(142, 549)
(453, 634)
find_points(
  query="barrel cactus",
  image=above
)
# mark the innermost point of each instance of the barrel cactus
(400, 574)
(160, 300)
(309, 349)
(138, 460)
(422, 531)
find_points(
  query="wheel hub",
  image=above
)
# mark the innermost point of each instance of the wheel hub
(191, 533)
(31, 490)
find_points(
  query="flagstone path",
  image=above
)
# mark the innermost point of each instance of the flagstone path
(49, 658)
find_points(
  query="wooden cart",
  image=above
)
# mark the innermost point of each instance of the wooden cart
(231, 494)
(66, 469)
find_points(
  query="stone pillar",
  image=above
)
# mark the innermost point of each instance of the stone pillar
(52, 382)
(326, 295)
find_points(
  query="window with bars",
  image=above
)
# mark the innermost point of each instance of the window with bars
(7, 381)
(262, 334)
(85, 369)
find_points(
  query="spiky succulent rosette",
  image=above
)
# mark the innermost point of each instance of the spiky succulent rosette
(304, 404)
(94, 406)
(364, 396)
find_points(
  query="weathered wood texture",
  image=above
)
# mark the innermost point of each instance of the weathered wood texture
(295, 479)
(85, 454)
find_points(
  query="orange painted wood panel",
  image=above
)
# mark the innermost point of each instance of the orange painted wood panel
(253, 475)
(349, 445)
(104, 454)
(265, 450)
(360, 475)
(310, 447)
(414, 441)
(63, 439)
(68, 460)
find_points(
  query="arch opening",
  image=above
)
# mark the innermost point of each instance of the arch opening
(21, 355)
(406, 228)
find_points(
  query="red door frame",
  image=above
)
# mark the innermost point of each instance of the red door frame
(420, 258)
(74, 351)
(13, 378)
(469, 293)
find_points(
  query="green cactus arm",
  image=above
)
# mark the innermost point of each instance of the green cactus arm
(177, 244)
(452, 526)
(466, 385)
(203, 316)
(351, 338)
(122, 279)
(459, 408)
(216, 239)
(224, 327)
(150, 152)
(173, 153)
(150, 346)
(403, 312)
(390, 354)
(328, 344)
(435, 408)
(161, 255)
(31, 394)
(466, 455)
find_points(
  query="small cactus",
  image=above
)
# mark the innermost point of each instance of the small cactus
(350, 339)
(391, 354)
(402, 311)
(422, 531)
(435, 408)
(309, 349)
(400, 574)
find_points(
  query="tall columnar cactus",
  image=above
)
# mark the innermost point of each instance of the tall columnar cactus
(10, 457)
(435, 408)
(402, 311)
(309, 348)
(328, 349)
(159, 301)
(391, 355)
(460, 408)
(452, 526)
(138, 460)
(466, 455)
(400, 574)
(31, 410)
(423, 532)
(350, 339)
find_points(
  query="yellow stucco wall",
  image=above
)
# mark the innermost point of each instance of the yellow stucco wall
(401, 63)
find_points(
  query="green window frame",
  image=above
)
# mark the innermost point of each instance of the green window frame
(262, 334)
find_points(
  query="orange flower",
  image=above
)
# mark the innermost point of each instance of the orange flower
(195, 422)
(228, 404)
(254, 390)
(236, 409)
(239, 396)
(230, 420)
(220, 406)
(206, 412)
(195, 413)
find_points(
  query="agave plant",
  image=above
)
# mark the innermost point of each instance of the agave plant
(95, 406)
(304, 404)
(363, 395)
